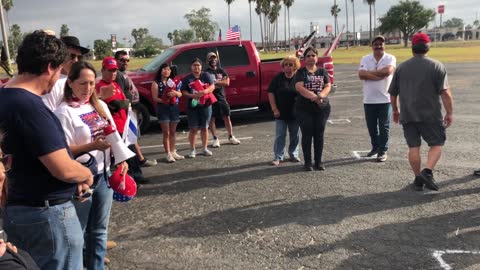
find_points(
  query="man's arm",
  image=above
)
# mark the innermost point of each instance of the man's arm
(62, 167)
(223, 82)
(447, 101)
(395, 111)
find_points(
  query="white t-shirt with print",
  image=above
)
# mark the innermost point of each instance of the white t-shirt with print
(82, 125)
(376, 92)
(54, 98)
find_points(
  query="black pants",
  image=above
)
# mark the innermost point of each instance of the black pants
(312, 123)
(134, 169)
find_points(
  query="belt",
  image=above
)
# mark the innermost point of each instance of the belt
(45, 203)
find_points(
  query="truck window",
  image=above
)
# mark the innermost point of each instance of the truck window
(231, 56)
(184, 60)
(159, 60)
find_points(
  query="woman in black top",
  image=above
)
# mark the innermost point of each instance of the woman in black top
(312, 107)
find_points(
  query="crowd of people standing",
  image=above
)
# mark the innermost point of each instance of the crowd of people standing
(56, 110)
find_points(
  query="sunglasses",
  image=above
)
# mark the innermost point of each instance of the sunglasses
(7, 162)
(124, 60)
(78, 56)
(288, 65)
(310, 55)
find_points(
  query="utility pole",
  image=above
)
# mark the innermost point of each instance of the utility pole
(4, 35)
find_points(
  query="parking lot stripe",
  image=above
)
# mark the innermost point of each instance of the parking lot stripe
(187, 143)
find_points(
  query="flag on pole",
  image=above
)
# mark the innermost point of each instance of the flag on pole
(233, 33)
(130, 132)
(305, 44)
(334, 44)
(220, 35)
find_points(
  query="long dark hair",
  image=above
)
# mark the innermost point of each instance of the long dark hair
(158, 76)
(75, 74)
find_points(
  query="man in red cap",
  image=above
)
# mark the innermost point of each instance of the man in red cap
(118, 106)
(419, 84)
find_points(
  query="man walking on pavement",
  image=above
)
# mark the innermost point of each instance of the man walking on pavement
(419, 84)
(131, 92)
(376, 71)
(221, 108)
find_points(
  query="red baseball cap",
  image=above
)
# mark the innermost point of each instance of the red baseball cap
(420, 38)
(109, 63)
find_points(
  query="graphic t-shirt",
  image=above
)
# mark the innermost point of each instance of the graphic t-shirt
(162, 87)
(185, 85)
(119, 117)
(218, 74)
(82, 124)
(314, 82)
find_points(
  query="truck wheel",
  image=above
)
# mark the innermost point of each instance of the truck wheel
(143, 117)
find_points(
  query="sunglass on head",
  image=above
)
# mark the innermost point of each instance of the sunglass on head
(7, 162)
(124, 60)
(78, 56)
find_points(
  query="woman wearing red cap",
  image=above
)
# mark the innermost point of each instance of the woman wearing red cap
(84, 118)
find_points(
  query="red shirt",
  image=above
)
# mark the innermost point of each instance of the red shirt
(119, 117)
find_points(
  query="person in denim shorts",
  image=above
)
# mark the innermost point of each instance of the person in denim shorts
(198, 114)
(419, 84)
(166, 95)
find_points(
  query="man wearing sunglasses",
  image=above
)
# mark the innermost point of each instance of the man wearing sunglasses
(75, 54)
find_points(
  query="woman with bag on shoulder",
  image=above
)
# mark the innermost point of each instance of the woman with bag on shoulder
(312, 107)
(84, 118)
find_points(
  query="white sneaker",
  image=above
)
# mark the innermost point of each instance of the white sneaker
(176, 156)
(234, 140)
(207, 152)
(192, 154)
(216, 143)
(170, 158)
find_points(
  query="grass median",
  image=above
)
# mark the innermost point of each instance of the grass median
(447, 52)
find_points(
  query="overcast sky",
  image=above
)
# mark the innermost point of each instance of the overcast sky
(90, 20)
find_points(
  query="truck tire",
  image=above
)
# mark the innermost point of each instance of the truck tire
(143, 117)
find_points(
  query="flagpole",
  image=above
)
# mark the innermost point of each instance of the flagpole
(4, 36)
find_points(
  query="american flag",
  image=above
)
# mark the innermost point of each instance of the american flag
(305, 44)
(233, 33)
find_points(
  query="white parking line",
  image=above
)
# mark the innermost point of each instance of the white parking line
(187, 143)
(362, 155)
(437, 254)
(339, 121)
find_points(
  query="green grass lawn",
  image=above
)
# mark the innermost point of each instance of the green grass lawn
(447, 52)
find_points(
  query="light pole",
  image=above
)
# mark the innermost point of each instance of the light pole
(4, 36)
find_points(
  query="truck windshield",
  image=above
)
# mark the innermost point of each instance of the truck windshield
(158, 61)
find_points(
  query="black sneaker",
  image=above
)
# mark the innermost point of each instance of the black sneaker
(382, 156)
(372, 153)
(417, 184)
(320, 167)
(476, 172)
(141, 180)
(427, 179)
(308, 167)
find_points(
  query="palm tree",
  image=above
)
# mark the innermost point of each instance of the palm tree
(370, 3)
(250, 7)
(258, 10)
(288, 4)
(7, 5)
(334, 11)
(354, 33)
(228, 3)
(170, 37)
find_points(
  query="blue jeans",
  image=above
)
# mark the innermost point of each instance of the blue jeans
(378, 124)
(281, 127)
(52, 235)
(94, 215)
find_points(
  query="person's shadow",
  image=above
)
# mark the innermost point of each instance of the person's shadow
(313, 212)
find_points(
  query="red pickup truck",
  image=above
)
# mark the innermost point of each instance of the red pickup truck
(249, 76)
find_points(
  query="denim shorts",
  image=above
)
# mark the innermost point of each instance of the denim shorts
(168, 113)
(433, 133)
(199, 117)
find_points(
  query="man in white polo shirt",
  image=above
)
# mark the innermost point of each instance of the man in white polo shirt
(376, 71)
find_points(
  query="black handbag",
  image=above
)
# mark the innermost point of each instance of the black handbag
(17, 261)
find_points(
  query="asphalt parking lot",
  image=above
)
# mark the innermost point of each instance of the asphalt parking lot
(235, 211)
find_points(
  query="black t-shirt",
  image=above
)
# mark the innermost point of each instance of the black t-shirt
(218, 74)
(31, 131)
(283, 89)
(314, 82)
(122, 81)
(204, 78)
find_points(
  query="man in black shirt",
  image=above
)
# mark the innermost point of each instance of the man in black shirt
(221, 108)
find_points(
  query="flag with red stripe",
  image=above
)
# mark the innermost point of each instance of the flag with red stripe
(305, 44)
(233, 33)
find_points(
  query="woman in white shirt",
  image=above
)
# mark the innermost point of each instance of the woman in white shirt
(84, 118)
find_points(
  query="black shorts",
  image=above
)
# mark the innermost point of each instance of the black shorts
(220, 109)
(433, 133)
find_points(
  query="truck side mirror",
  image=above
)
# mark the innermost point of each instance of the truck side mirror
(174, 71)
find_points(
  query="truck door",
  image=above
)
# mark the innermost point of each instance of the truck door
(244, 77)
